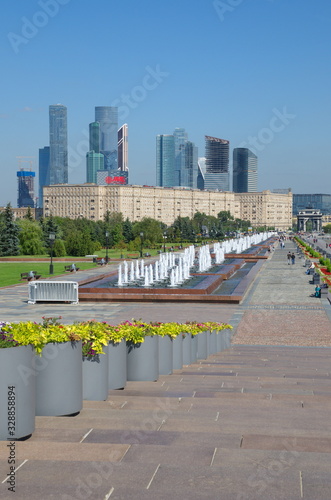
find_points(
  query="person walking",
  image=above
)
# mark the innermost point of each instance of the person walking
(293, 258)
(289, 258)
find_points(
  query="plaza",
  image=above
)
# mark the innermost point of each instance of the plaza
(249, 422)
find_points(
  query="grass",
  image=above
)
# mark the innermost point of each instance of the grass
(10, 272)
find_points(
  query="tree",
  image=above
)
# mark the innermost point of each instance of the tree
(327, 228)
(151, 229)
(28, 214)
(9, 230)
(127, 230)
(79, 244)
(31, 237)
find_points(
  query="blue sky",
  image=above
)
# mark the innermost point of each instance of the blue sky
(255, 72)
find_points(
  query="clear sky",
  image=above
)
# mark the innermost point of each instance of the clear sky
(255, 72)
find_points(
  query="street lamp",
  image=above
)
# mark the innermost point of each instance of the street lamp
(141, 244)
(164, 240)
(107, 242)
(51, 237)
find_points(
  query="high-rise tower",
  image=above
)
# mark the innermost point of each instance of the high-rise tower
(123, 148)
(25, 196)
(107, 116)
(165, 160)
(244, 171)
(43, 171)
(217, 164)
(58, 144)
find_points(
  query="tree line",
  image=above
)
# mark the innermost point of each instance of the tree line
(79, 237)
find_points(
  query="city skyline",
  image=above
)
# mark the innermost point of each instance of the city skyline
(169, 79)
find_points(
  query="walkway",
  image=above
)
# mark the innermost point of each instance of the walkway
(249, 423)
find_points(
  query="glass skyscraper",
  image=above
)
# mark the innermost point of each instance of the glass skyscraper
(94, 129)
(165, 160)
(94, 162)
(107, 116)
(122, 138)
(217, 177)
(58, 144)
(176, 160)
(320, 202)
(43, 172)
(244, 171)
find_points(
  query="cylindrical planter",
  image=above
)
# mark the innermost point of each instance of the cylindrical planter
(17, 392)
(143, 359)
(177, 352)
(220, 338)
(212, 343)
(165, 355)
(227, 339)
(194, 348)
(187, 341)
(117, 369)
(95, 376)
(203, 345)
(59, 380)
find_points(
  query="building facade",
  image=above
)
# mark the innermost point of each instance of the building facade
(123, 148)
(166, 204)
(320, 202)
(107, 116)
(244, 171)
(94, 162)
(165, 160)
(58, 144)
(43, 172)
(217, 176)
(94, 136)
(25, 188)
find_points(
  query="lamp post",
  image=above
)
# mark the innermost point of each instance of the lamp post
(107, 242)
(141, 244)
(51, 238)
(164, 240)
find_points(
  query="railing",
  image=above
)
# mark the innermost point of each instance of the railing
(53, 291)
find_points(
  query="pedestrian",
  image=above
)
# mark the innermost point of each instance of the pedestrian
(73, 268)
(289, 258)
(293, 258)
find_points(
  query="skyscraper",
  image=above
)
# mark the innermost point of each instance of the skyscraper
(43, 172)
(94, 129)
(244, 171)
(189, 175)
(58, 144)
(180, 141)
(94, 162)
(107, 116)
(165, 160)
(217, 164)
(123, 148)
(25, 196)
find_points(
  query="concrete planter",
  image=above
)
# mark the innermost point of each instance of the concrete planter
(117, 365)
(165, 355)
(194, 348)
(203, 345)
(17, 392)
(143, 359)
(95, 377)
(212, 343)
(187, 346)
(59, 382)
(177, 354)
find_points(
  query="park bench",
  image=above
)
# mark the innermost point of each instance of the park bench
(147, 254)
(99, 261)
(26, 276)
(69, 269)
(133, 255)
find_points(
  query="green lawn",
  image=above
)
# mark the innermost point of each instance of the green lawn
(10, 272)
